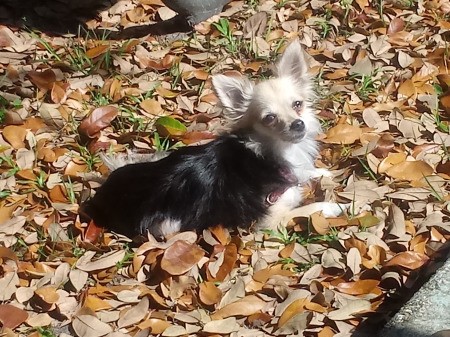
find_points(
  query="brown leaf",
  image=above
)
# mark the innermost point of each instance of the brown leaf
(15, 135)
(90, 326)
(152, 106)
(42, 79)
(48, 294)
(99, 119)
(384, 146)
(410, 170)
(343, 134)
(58, 194)
(408, 260)
(320, 223)
(359, 287)
(407, 89)
(96, 304)
(296, 307)
(8, 253)
(230, 257)
(243, 307)
(58, 93)
(197, 136)
(93, 232)
(97, 51)
(255, 25)
(348, 310)
(209, 294)
(11, 317)
(391, 160)
(396, 25)
(181, 257)
(135, 314)
(445, 103)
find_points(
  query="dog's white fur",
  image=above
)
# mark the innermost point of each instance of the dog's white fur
(246, 105)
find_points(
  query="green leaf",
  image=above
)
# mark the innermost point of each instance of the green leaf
(168, 126)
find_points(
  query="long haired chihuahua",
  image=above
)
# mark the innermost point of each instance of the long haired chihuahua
(252, 175)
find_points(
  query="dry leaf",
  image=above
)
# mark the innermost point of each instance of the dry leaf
(243, 307)
(11, 316)
(90, 326)
(343, 134)
(181, 257)
(409, 260)
(99, 119)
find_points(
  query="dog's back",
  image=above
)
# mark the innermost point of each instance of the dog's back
(222, 182)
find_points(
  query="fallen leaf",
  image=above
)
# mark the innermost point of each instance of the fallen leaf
(359, 287)
(15, 135)
(349, 310)
(135, 314)
(90, 326)
(396, 25)
(209, 294)
(168, 126)
(11, 317)
(243, 307)
(408, 260)
(221, 326)
(410, 170)
(42, 79)
(181, 257)
(343, 134)
(99, 119)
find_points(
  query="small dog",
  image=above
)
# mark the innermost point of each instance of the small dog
(252, 175)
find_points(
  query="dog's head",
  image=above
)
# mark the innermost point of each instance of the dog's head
(278, 108)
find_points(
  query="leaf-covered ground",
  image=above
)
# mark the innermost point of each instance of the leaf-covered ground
(381, 69)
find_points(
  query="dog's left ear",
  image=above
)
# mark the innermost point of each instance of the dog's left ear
(234, 93)
(292, 63)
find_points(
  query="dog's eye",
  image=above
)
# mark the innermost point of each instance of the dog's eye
(297, 105)
(269, 119)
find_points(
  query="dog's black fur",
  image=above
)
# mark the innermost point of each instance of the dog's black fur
(222, 182)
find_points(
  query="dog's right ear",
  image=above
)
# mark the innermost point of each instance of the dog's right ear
(234, 93)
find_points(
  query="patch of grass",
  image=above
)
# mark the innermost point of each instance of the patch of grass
(100, 99)
(367, 170)
(5, 105)
(127, 259)
(308, 236)
(282, 234)
(40, 180)
(5, 193)
(89, 158)
(164, 145)
(224, 28)
(365, 84)
(286, 237)
(48, 47)
(253, 3)
(46, 331)
(11, 163)
(291, 264)
(70, 191)
(324, 25)
(132, 119)
(281, 3)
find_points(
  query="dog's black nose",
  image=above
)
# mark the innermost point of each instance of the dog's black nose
(298, 125)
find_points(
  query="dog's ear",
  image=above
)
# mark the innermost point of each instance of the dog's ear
(235, 94)
(293, 63)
